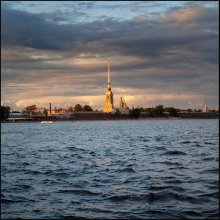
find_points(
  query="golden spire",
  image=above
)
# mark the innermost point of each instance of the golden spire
(109, 107)
(109, 81)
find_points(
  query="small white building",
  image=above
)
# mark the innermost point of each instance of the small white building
(17, 115)
(205, 109)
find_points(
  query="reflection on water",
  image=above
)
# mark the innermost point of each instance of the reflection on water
(111, 169)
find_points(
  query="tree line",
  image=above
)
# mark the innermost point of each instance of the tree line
(157, 111)
(32, 109)
(80, 108)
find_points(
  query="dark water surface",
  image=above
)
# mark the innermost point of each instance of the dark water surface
(110, 169)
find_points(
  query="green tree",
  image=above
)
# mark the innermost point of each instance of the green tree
(87, 108)
(178, 110)
(5, 112)
(78, 108)
(30, 109)
(141, 109)
(147, 109)
(173, 112)
(134, 112)
(151, 111)
(159, 109)
(70, 109)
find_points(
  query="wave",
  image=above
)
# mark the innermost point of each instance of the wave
(25, 163)
(75, 202)
(174, 152)
(151, 197)
(72, 217)
(158, 188)
(210, 143)
(72, 148)
(128, 169)
(215, 171)
(34, 172)
(79, 192)
(92, 153)
(209, 158)
(199, 145)
(61, 174)
(23, 186)
(210, 195)
(169, 163)
(172, 180)
(189, 214)
(16, 200)
(160, 148)
(145, 140)
(8, 201)
(185, 142)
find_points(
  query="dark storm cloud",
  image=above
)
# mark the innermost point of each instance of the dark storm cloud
(39, 32)
(29, 30)
(145, 38)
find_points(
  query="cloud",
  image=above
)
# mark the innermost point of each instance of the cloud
(174, 52)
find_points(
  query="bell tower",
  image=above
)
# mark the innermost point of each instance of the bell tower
(108, 107)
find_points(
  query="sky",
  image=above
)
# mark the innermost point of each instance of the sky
(162, 52)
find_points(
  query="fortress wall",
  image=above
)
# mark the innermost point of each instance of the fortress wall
(199, 115)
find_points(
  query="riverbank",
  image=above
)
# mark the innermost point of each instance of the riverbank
(100, 116)
(139, 119)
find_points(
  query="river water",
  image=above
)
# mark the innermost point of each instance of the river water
(146, 169)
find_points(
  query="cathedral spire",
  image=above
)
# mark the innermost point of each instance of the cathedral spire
(109, 107)
(109, 81)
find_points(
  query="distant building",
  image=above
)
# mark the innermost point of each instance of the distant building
(39, 112)
(55, 111)
(108, 107)
(17, 116)
(52, 112)
(205, 109)
(121, 103)
(122, 107)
